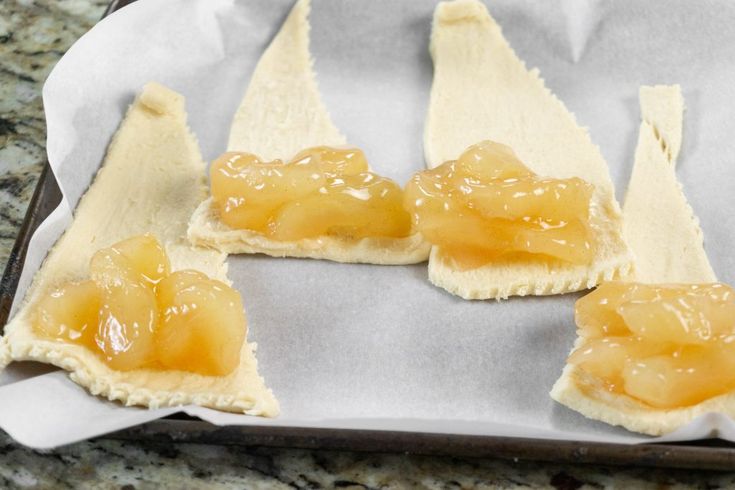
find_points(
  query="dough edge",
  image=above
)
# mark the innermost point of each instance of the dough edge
(584, 394)
(128, 387)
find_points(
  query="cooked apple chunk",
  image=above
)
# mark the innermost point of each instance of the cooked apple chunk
(666, 345)
(487, 204)
(70, 313)
(134, 313)
(202, 324)
(322, 191)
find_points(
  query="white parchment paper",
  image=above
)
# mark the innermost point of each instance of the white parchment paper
(376, 347)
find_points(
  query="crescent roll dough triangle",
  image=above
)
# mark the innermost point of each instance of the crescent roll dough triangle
(281, 114)
(659, 225)
(482, 91)
(667, 243)
(152, 179)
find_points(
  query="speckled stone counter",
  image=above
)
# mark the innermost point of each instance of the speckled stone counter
(33, 36)
(135, 465)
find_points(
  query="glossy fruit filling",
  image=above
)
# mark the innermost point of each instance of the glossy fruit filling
(666, 345)
(488, 205)
(134, 313)
(322, 191)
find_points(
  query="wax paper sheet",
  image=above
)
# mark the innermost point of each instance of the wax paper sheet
(376, 347)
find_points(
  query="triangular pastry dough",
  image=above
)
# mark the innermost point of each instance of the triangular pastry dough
(152, 179)
(281, 114)
(658, 223)
(667, 243)
(482, 91)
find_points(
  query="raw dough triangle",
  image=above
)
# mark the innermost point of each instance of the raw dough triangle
(481, 91)
(281, 114)
(667, 242)
(658, 223)
(152, 179)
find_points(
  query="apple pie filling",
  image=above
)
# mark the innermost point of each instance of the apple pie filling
(322, 191)
(487, 204)
(134, 312)
(666, 345)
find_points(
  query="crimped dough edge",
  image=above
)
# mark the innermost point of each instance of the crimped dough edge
(127, 387)
(585, 394)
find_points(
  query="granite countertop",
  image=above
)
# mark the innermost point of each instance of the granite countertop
(33, 36)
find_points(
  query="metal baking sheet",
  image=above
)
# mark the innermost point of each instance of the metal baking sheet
(704, 454)
(45, 200)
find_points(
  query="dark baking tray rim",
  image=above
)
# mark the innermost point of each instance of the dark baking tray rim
(712, 454)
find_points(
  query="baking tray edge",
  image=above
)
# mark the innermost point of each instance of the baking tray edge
(711, 454)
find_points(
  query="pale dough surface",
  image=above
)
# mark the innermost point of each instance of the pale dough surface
(152, 179)
(481, 91)
(282, 111)
(667, 242)
(281, 114)
(658, 223)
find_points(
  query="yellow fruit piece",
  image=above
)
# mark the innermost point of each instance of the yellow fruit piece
(549, 199)
(606, 357)
(127, 326)
(596, 313)
(692, 314)
(146, 256)
(321, 191)
(667, 345)
(692, 376)
(248, 191)
(489, 160)
(202, 324)
(126, 273)
(135, 314)
(335, 161)
(488, 204)
(352, 206)
(70, 313)
(109, 268)
(140, 259)
(566, 241)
